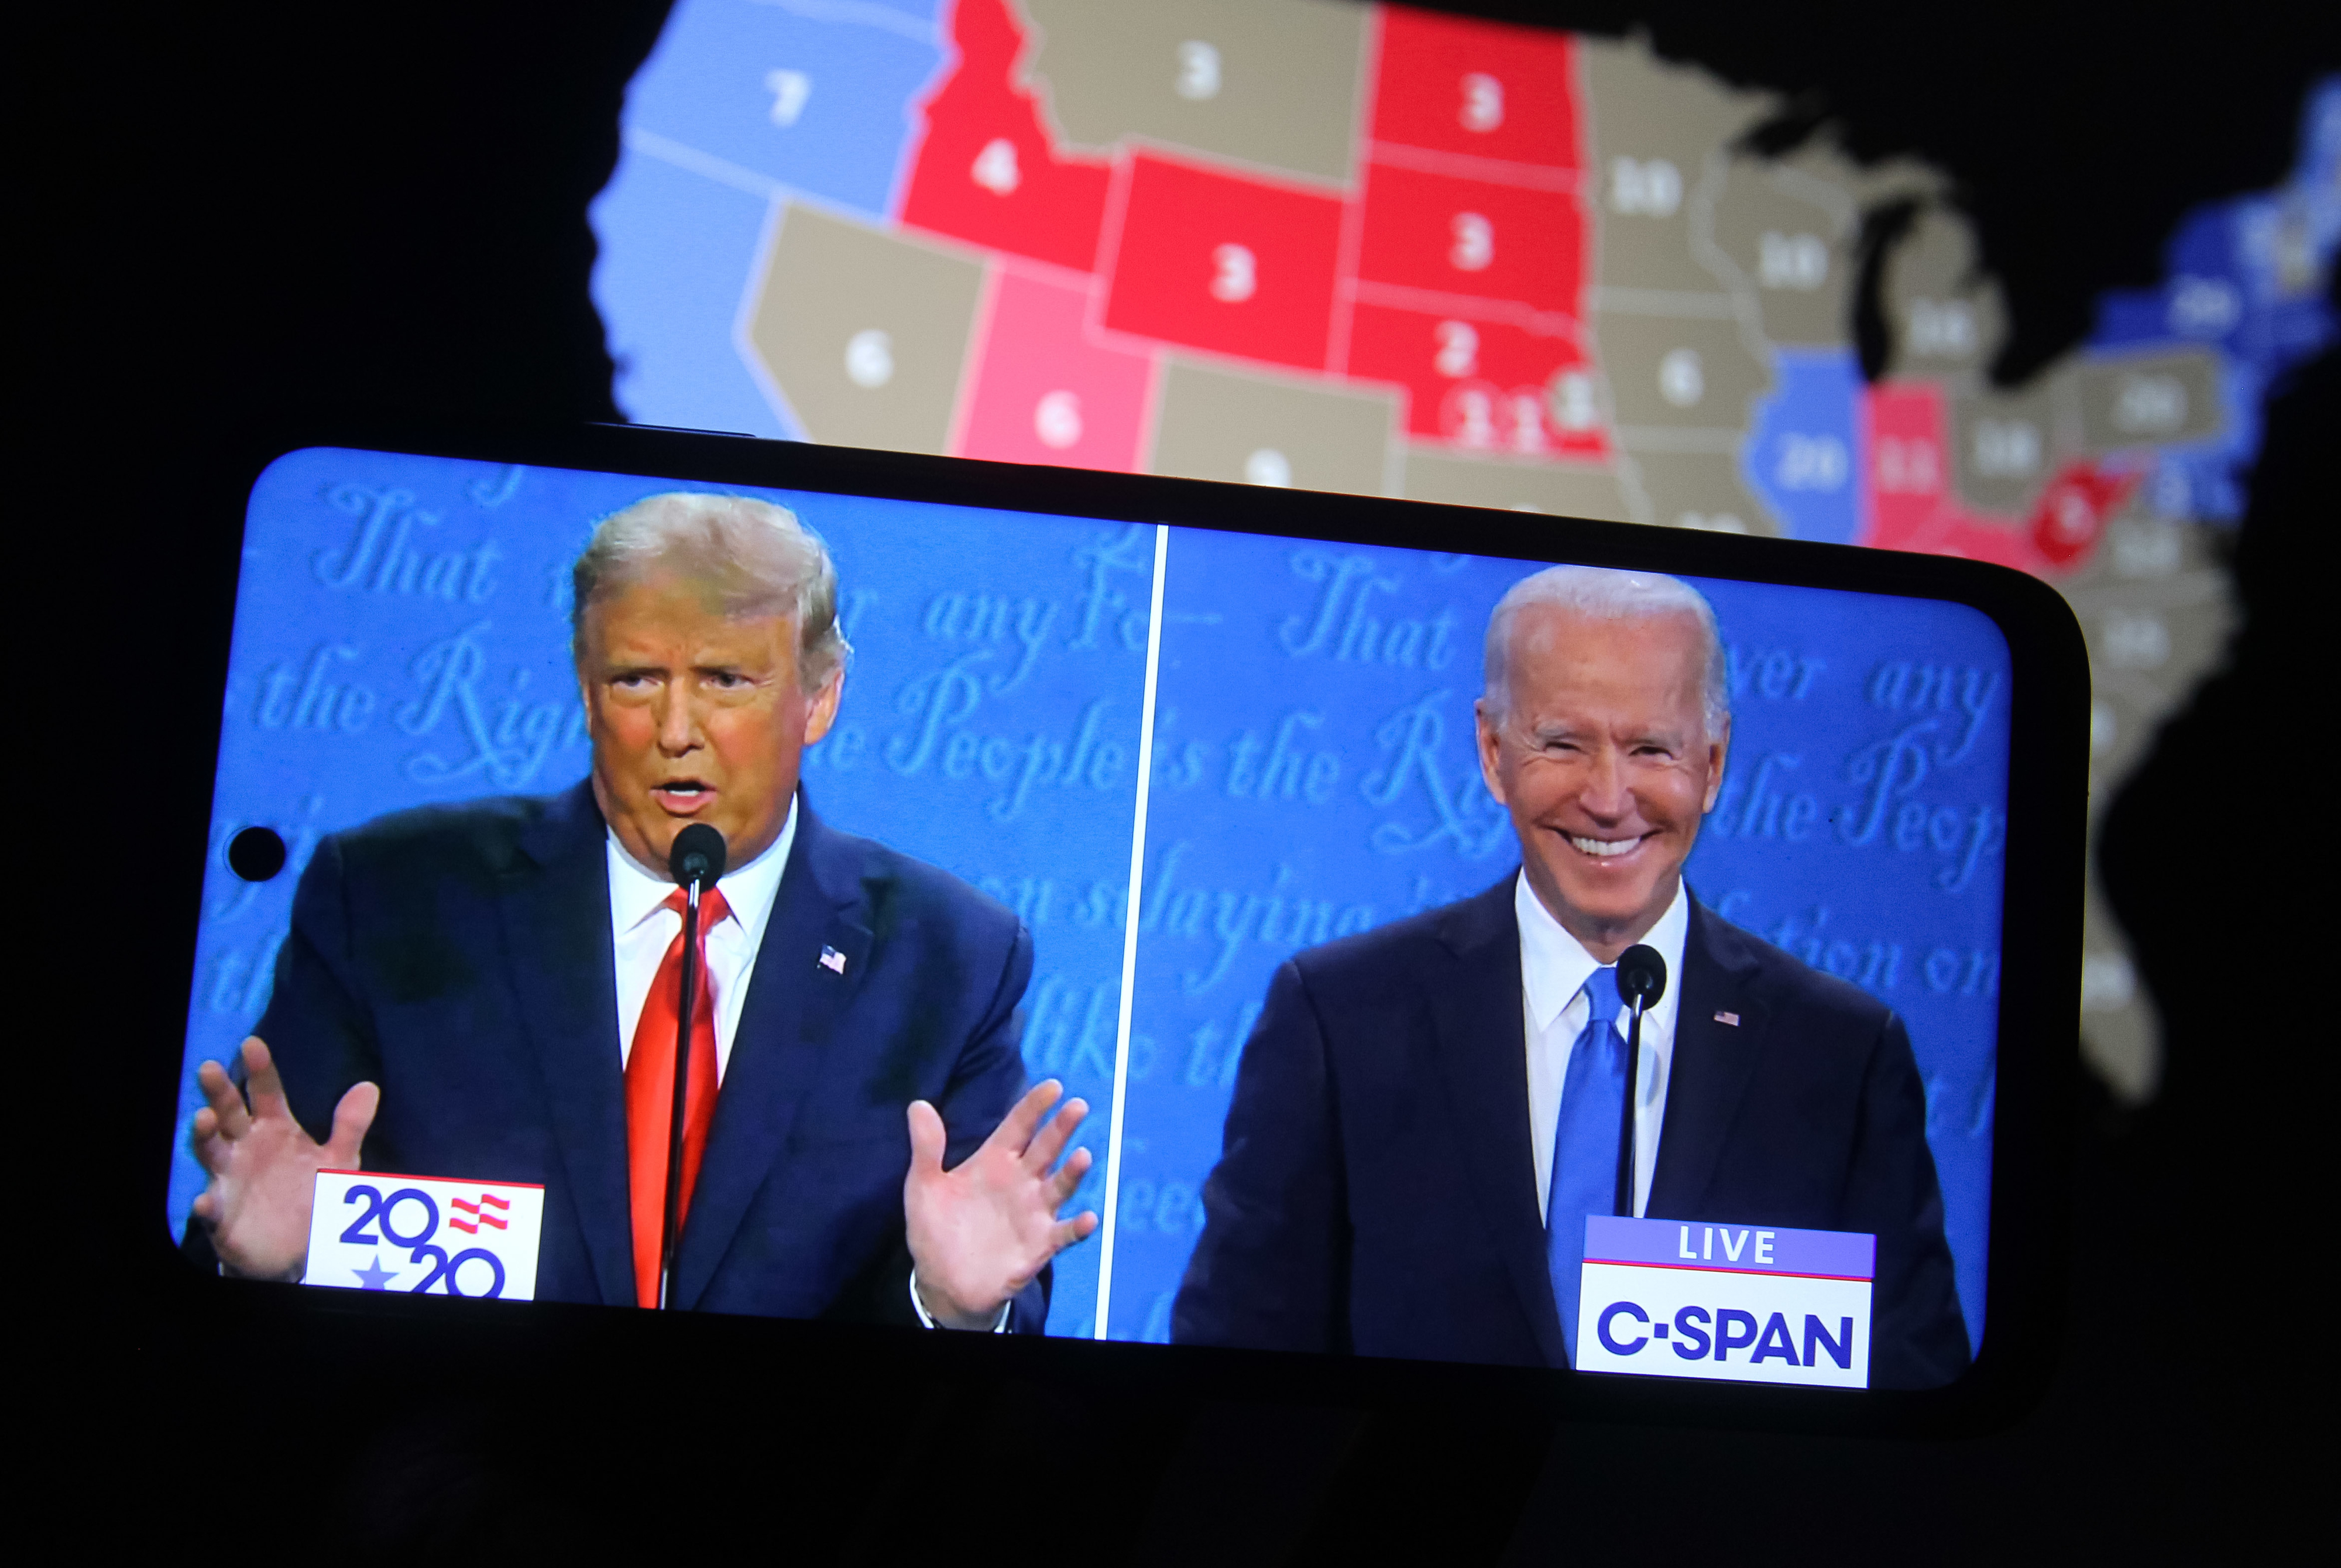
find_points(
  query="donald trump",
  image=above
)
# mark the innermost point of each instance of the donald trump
(490, 991)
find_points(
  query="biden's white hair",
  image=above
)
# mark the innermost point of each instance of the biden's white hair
(756, 556)
(1603, 594)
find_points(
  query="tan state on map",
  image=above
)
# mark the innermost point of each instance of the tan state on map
(1275, 87)
(1249, 426)
(864, 332)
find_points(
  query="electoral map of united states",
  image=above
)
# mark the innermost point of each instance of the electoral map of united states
(1370, 249)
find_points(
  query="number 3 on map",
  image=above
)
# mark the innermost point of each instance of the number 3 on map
(1234, 277)
(1483, 102)
(1199, 71)
(1475, 241)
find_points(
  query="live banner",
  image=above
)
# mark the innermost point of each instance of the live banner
(1747, 1304)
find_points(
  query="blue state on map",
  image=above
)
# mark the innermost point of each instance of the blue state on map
(1800, 454)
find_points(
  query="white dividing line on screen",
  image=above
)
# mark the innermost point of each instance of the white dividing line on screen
(1130, 933)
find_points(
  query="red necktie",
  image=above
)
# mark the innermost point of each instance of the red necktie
(650, 1092)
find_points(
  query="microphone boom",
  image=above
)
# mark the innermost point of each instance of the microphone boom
(1641, 981)
(695, 862)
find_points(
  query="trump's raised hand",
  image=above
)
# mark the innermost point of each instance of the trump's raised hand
(980, 1231)
(264, 1167)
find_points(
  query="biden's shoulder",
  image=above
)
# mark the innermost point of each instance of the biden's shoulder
(1792, 988)
(1414, 950)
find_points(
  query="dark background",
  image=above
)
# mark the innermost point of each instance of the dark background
(235, 215)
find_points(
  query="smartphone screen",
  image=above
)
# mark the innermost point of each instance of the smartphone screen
(1300, 862)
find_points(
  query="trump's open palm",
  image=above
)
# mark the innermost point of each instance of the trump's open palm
(980, 1231)
(264, 1167)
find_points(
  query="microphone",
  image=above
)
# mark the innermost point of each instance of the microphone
(1641, 981)
(695, 862)
(1642, 977)
(699, 853)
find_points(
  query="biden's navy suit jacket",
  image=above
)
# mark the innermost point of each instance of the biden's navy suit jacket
(461, 957)
(1376, 1193)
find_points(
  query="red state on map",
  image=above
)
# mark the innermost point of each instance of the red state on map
(1908, 474)
(2070, 516)
(1481, 88)
(984, 171)
(1443, 234)
(1910, 506)
(1043, 393)
(1225, 262)
(1484, 386)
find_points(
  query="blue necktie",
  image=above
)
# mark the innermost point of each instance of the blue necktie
(1585, 1145)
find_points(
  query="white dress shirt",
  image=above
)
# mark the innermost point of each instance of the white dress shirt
(1554, 967)
(642, 929)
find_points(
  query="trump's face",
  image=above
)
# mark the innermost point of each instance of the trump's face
(1602, 757)
(696, 716)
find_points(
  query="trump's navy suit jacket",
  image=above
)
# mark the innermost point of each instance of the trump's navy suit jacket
(461, 957)
(1376, 1193)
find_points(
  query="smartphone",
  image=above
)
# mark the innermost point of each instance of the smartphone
(1156, 928)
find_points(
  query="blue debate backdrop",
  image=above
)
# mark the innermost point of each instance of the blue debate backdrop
(402, 638)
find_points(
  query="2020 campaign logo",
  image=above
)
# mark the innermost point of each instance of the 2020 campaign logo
(1745, 1303)
(423, 1236)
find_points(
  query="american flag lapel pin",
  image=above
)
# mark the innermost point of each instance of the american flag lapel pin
(1730, 1018)
(833, 960)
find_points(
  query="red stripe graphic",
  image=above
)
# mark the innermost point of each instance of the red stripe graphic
(472, 1227)
(1728, 1269)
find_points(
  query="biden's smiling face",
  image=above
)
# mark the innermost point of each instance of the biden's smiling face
(695, 716)
(1599, 748)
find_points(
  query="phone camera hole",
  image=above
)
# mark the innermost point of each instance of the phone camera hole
(256, 854)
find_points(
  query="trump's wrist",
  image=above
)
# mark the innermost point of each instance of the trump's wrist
(936, 1311)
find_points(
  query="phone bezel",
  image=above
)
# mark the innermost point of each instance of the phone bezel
(2038, 1049)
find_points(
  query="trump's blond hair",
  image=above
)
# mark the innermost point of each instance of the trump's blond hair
(755, 555)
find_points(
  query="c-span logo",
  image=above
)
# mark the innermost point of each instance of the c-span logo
(1745, 1302)
(422, 1235)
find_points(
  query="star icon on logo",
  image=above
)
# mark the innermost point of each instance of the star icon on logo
(375, 1277)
